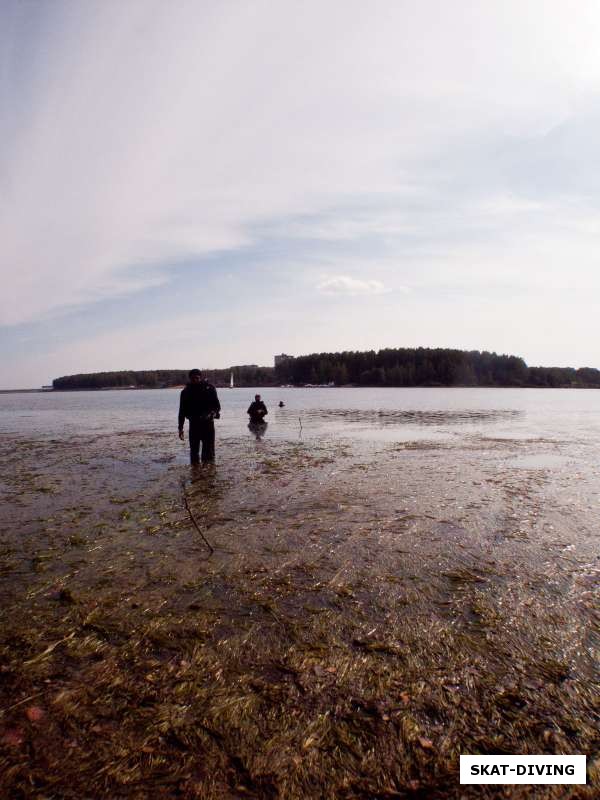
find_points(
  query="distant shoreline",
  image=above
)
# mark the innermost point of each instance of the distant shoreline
(286, 386)
(25, 391)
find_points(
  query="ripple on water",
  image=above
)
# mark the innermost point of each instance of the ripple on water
(382, 418)
(540, 461)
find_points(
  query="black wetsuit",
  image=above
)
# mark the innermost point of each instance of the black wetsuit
(257, 411)
(199, 403)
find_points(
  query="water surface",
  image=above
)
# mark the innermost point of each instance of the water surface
(374, 414)
(397, 576)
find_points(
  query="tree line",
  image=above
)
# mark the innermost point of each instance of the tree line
(427, 367)
(390, 367)
(245, 375)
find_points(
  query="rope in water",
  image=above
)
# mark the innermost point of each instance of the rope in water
(189, 510)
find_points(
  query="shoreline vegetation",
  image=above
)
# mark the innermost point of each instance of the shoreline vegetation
(369, 612)
(400, 367)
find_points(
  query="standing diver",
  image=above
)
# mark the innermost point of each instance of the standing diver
(199, 403)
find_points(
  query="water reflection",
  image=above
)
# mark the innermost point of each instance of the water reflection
(258, 429)
(387, 417)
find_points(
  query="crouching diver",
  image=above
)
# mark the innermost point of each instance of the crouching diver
(257, 411)
(199, 404)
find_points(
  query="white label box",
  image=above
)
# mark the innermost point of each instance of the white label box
(522, 769)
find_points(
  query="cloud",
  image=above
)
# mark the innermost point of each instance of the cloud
(136, 136)
(343, 284)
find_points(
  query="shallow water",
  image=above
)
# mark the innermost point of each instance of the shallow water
(375, 414)
(396, 566)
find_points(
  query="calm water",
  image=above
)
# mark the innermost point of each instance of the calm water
(371, 414)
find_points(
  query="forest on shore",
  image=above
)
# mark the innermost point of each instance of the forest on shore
(390, 367)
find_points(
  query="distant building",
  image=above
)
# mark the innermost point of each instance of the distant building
(281, 358)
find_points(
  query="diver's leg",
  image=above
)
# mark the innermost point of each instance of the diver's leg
(208, 441)
(195, 435)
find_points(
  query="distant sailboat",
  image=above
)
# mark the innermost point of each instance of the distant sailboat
(231, 381)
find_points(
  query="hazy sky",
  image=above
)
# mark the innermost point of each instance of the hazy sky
(210, 183)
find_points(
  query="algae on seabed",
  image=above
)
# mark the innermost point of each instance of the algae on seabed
(368, 614)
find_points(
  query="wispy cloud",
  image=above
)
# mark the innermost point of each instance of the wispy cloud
(343, 284)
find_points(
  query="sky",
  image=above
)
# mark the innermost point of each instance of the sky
(205, 184)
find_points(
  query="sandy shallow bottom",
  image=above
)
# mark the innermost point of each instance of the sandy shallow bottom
(370, 611)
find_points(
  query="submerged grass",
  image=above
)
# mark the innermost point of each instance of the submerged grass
(342, 641)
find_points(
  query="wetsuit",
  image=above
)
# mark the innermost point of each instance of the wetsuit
(199, 403)
(257, 410)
